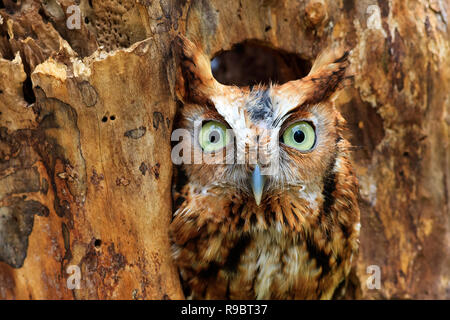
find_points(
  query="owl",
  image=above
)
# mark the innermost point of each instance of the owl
(269, 205)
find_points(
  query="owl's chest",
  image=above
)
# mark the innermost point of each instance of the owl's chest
(281, 251)
(270, 264)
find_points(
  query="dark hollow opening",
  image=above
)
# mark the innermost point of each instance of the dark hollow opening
(97, 243)
(251, 63)
(28, 93)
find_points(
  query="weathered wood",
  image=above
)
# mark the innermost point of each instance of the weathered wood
(86, 116)
(85, 171)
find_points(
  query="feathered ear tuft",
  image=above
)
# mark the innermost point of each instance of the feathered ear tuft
(195, 82)
(326, 74)
(325, 77)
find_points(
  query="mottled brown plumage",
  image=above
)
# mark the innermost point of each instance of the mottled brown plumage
(298, 243)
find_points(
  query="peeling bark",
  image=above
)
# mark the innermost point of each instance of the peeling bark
(86, 116)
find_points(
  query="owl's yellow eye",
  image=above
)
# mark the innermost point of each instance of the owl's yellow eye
(300, 135)
(213, 136)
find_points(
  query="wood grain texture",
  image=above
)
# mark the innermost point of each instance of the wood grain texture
(73, 188)
(86, 115)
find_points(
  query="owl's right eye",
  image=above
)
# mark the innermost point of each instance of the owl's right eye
(213, 136)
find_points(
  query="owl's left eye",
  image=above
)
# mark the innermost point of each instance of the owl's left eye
(213, 136)
(300, 135)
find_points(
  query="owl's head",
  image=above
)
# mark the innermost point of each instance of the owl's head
(257, 141)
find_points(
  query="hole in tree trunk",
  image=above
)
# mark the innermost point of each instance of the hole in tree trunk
(250, 63)
(28, 93)
(97, 243)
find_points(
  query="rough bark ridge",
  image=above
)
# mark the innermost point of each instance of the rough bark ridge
(86, 116)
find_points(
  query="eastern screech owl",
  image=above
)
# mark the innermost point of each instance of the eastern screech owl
(285, 225)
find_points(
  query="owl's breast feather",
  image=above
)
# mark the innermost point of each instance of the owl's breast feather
(227, 249)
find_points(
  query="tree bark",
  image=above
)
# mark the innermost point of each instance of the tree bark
(86, 115)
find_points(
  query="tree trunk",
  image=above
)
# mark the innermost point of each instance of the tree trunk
(86, 112)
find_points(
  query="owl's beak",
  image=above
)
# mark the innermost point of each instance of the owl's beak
(257, 182)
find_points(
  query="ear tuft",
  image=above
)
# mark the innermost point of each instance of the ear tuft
(325, 77)
(327, 74)
(330, 58)
(195, 82)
